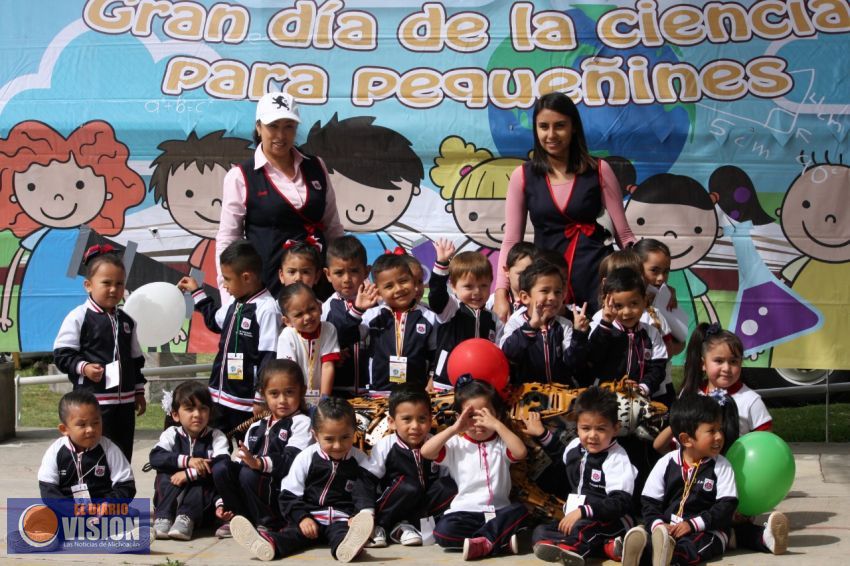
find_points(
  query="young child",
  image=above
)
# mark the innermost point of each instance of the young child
(184, 459)
(655, 263)
(83, 464)
(326, 497)
(410, 486)
(629, 259)
(622, 345)
(541, 345)
(248, 326)
(601, 481)
(461, 315)
(713, 367)
(307, 339)
(301, 262)
(519, 257)
(251, 486)
(402, 339)
(690, 496)
(347, 272)
(98, 349)
(477, 450)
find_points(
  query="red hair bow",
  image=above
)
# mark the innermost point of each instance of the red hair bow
(95, 251)
(397, 251)
(309, 241)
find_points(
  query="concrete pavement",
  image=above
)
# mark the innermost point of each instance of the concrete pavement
(818, 509)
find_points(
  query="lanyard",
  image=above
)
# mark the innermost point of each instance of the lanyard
(400, 321)
(690, 480)
(238, 315)
(545, 333)
(482, 453)
(417, 457)
(307, 344)
(113, 322)
(581, 472)
(78, 463)
(638, 353)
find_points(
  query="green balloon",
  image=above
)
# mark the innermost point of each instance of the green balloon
(764, 471)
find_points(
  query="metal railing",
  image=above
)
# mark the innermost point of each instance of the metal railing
(164, 373)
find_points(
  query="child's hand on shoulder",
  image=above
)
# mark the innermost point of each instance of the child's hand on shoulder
(534, 424)
(367, 296)
(309, 528)
(188, 284)
(580, 320)
(568, 522)
(94, 372)
(445, 250)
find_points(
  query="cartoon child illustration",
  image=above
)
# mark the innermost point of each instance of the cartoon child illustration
(375, 174)
(678, 211)
(816, 221)
(475, 185)
(50, 186)
(187, 179)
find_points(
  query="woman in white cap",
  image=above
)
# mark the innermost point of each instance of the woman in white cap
(280, 195)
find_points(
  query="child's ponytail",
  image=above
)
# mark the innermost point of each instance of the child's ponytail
(693, 361)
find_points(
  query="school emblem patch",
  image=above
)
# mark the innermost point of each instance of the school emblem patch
(596, 475)
(708, 485)
(100, 471)
(127, 328)
(647, 354)
(317, 186)
(246, 324)
(420, 328)
(283, 435)
(349, 486)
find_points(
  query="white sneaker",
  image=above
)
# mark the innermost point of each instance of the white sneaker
(513, 545)
(406, 534)
(662, 547)
(245, 534)
(776, 533)
(632, 545)
(182, 528)
(379, 538)
(359, 531)
(161, 527)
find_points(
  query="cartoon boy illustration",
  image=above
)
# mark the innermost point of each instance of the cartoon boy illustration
(50, 186)
(678, 211)
(375, 174)
(816, 221)
(187, 179)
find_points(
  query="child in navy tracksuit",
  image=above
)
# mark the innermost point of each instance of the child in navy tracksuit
(621, 345)
(462, 315)
(601, 480)
(98, 349)
(347, 272)
(690, 497)
(80, 465)
(248, 326)
(542, 346)
(402, 337)
(477, 450)
(328, 495)
(410, 486)
(251, 486)
(184, 459)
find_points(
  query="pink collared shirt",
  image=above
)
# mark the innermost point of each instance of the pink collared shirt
(234, 197)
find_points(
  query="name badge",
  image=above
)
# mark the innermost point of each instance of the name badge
(313, 397)
(675, 519)
(80, 493)
(398, 369)
(235, 367)
(489, 513)
(112, 374)
(574, 501)
(426, 527)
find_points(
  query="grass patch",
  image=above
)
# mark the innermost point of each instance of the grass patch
(808, 423)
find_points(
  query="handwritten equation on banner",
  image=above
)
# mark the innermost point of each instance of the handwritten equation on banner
(593, 80)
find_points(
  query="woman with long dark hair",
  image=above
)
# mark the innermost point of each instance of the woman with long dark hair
(565, 190)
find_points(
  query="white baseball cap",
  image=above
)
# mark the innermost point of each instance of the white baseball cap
(277, 106)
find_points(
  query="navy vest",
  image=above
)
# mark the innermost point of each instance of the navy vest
(573, 231)
(271, 220)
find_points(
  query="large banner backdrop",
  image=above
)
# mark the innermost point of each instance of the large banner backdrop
(726, 122)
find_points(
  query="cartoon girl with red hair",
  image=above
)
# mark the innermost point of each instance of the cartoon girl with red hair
(50, 186)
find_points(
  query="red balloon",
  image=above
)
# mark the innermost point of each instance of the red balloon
(480, 358)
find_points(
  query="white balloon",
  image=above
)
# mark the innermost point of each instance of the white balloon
(159, 311)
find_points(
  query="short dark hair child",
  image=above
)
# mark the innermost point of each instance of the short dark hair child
(553, 257)
(690, 497)
(540, 343)
(519, 251)
(248, 325)
(410, 487)
(390, 261)
(624, 279)
(58, 476)
(601, 482)
(347, 248)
